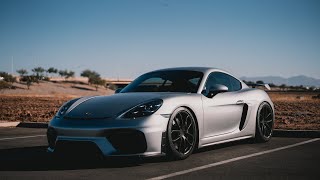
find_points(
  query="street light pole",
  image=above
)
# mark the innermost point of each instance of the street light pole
(11, 65)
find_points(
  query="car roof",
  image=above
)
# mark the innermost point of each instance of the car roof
(200, 69)
(205, 70)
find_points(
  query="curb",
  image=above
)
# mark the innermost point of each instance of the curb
(9, 124)
(296, 133)
(24, 124)
(32, 125)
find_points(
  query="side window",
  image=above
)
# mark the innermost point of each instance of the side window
(236, 84)
(224, 79)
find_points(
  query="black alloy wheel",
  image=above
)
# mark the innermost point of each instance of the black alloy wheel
(265, 122)
(182, 134)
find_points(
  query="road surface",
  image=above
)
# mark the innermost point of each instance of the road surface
(23, 155)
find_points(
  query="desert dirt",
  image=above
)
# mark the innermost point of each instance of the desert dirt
(41, 101)
(296, 110)
(293, 110)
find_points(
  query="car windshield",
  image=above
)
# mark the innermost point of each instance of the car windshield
(166, 81)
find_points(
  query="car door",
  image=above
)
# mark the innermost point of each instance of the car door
(222, 113)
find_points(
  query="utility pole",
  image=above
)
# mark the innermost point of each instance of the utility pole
(11, 65)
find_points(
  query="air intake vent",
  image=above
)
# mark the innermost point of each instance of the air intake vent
(243, 116)
(127, 141)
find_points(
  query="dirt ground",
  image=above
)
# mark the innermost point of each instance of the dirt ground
(29, 108)
(55, 89)
(41, 101)
(294, 110)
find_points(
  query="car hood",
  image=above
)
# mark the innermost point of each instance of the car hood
(102, 107)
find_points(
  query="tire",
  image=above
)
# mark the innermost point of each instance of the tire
(182, 134)
(264, 123)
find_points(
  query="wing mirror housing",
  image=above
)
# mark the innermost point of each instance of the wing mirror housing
(118, 90)
(216, 89)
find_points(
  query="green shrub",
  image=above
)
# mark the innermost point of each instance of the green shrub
(7, 77)
(4, 85)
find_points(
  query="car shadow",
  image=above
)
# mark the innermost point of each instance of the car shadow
(37, 159)
(224, 145)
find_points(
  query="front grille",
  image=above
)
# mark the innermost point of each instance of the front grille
(77, 148)
(127, 141)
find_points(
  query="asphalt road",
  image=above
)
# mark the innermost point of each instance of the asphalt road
(23, 155)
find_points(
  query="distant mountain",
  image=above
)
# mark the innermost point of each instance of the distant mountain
(292, 81)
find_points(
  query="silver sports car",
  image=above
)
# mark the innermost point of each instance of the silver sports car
(165, 112)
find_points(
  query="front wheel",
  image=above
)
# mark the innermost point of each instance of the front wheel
(265, 122)
(182, 134)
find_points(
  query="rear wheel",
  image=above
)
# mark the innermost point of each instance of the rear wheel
(182, 134)
(265, 122)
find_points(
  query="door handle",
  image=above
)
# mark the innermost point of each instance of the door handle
(240, 102)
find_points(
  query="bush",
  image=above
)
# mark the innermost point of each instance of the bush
(91, 75)
(7, 77)
(97, 81)
(29, 80)
(66, 74)
(4, 85)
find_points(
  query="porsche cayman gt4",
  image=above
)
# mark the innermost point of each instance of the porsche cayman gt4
(164, 112)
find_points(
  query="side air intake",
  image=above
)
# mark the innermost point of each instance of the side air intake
(243, 116)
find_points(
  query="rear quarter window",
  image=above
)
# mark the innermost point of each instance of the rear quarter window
(235, 83)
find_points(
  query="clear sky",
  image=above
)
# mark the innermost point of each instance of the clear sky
(124, 38)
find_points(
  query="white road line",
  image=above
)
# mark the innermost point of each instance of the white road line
(231, 160)
(21, 137)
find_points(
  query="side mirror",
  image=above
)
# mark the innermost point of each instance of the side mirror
(216, 89)
(117, 90)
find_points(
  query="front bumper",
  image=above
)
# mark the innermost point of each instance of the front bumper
(112, 137)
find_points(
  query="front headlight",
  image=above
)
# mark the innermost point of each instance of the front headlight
(144, 109)
(64, 108)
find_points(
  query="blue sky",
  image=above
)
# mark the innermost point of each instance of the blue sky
(124, 38)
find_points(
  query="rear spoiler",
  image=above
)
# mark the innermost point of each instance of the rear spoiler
(264, 85)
